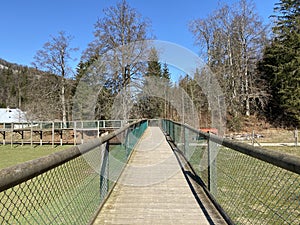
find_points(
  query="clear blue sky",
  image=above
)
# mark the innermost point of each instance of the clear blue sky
(27, 24)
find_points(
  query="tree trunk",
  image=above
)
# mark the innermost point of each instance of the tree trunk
(63, 103)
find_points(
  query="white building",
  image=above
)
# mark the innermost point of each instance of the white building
(8, 115)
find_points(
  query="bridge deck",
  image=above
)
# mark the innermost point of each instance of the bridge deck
(152, 189)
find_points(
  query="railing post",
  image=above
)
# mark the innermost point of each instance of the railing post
(22, 137)
(172, 130)
(212, 166)
(127, 142)
(52, 133)
(61, 137)
(98, 129)
(104, 173)
(75, 133)
(41, 137)
(186, 143)
(4, 136)
(12, 135)
(31, 134)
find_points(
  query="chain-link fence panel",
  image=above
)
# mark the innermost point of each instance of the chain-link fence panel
(66, 187)
(252, 185)
(252, 191)
(67, 194)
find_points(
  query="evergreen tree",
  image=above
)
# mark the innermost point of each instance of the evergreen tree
(166, 77)
(281, 64)
(165, 73)
(154, 66)
(151, 105)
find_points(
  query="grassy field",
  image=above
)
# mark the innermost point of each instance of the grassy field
(286, 149)
(12, 155)
(249, 190)
(67, 194)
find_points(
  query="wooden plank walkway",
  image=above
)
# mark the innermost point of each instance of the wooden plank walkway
(152, 188)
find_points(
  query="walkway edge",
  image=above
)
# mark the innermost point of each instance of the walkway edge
(115, 183)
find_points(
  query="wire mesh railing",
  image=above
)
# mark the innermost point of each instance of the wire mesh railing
(250, 185)
(66, 187)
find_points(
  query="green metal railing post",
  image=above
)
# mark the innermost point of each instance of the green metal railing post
(169, 131)
(186, 142)
(212, 167)
(173, 128)
(172, 131)
(104, 175)
(127, 142)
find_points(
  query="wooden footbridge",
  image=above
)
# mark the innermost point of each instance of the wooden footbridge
(153, 189)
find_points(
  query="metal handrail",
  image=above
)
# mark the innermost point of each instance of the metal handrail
(283, 160)
(14, 175)
(247, 184)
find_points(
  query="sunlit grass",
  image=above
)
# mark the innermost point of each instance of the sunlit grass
(286, 149)
(250, 190)
(13, 155)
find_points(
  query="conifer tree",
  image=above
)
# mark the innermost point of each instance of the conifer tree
(151, 105)
(281, 64)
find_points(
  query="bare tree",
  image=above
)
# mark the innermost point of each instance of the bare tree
(234, 37)
(54, 58)
(119, 40)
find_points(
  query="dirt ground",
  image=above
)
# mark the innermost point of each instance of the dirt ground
(263, 132)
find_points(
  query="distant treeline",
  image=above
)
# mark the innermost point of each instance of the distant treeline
(256, 67)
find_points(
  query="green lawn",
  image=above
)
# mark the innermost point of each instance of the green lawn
(286, 149)
(67, 194)
(12, 155)
(249, 190)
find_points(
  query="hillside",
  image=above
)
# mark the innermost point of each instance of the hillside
(31, 90)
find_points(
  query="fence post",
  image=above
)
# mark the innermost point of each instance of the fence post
(61, 137)
(186, 142)
(31, 134)
(127, 142)
(98, 129)
(52, 134)
(212, 166)
(4, 136)
(75, 133)
(172, 131)
(12, 135)
(104, 173)
(41, 137)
